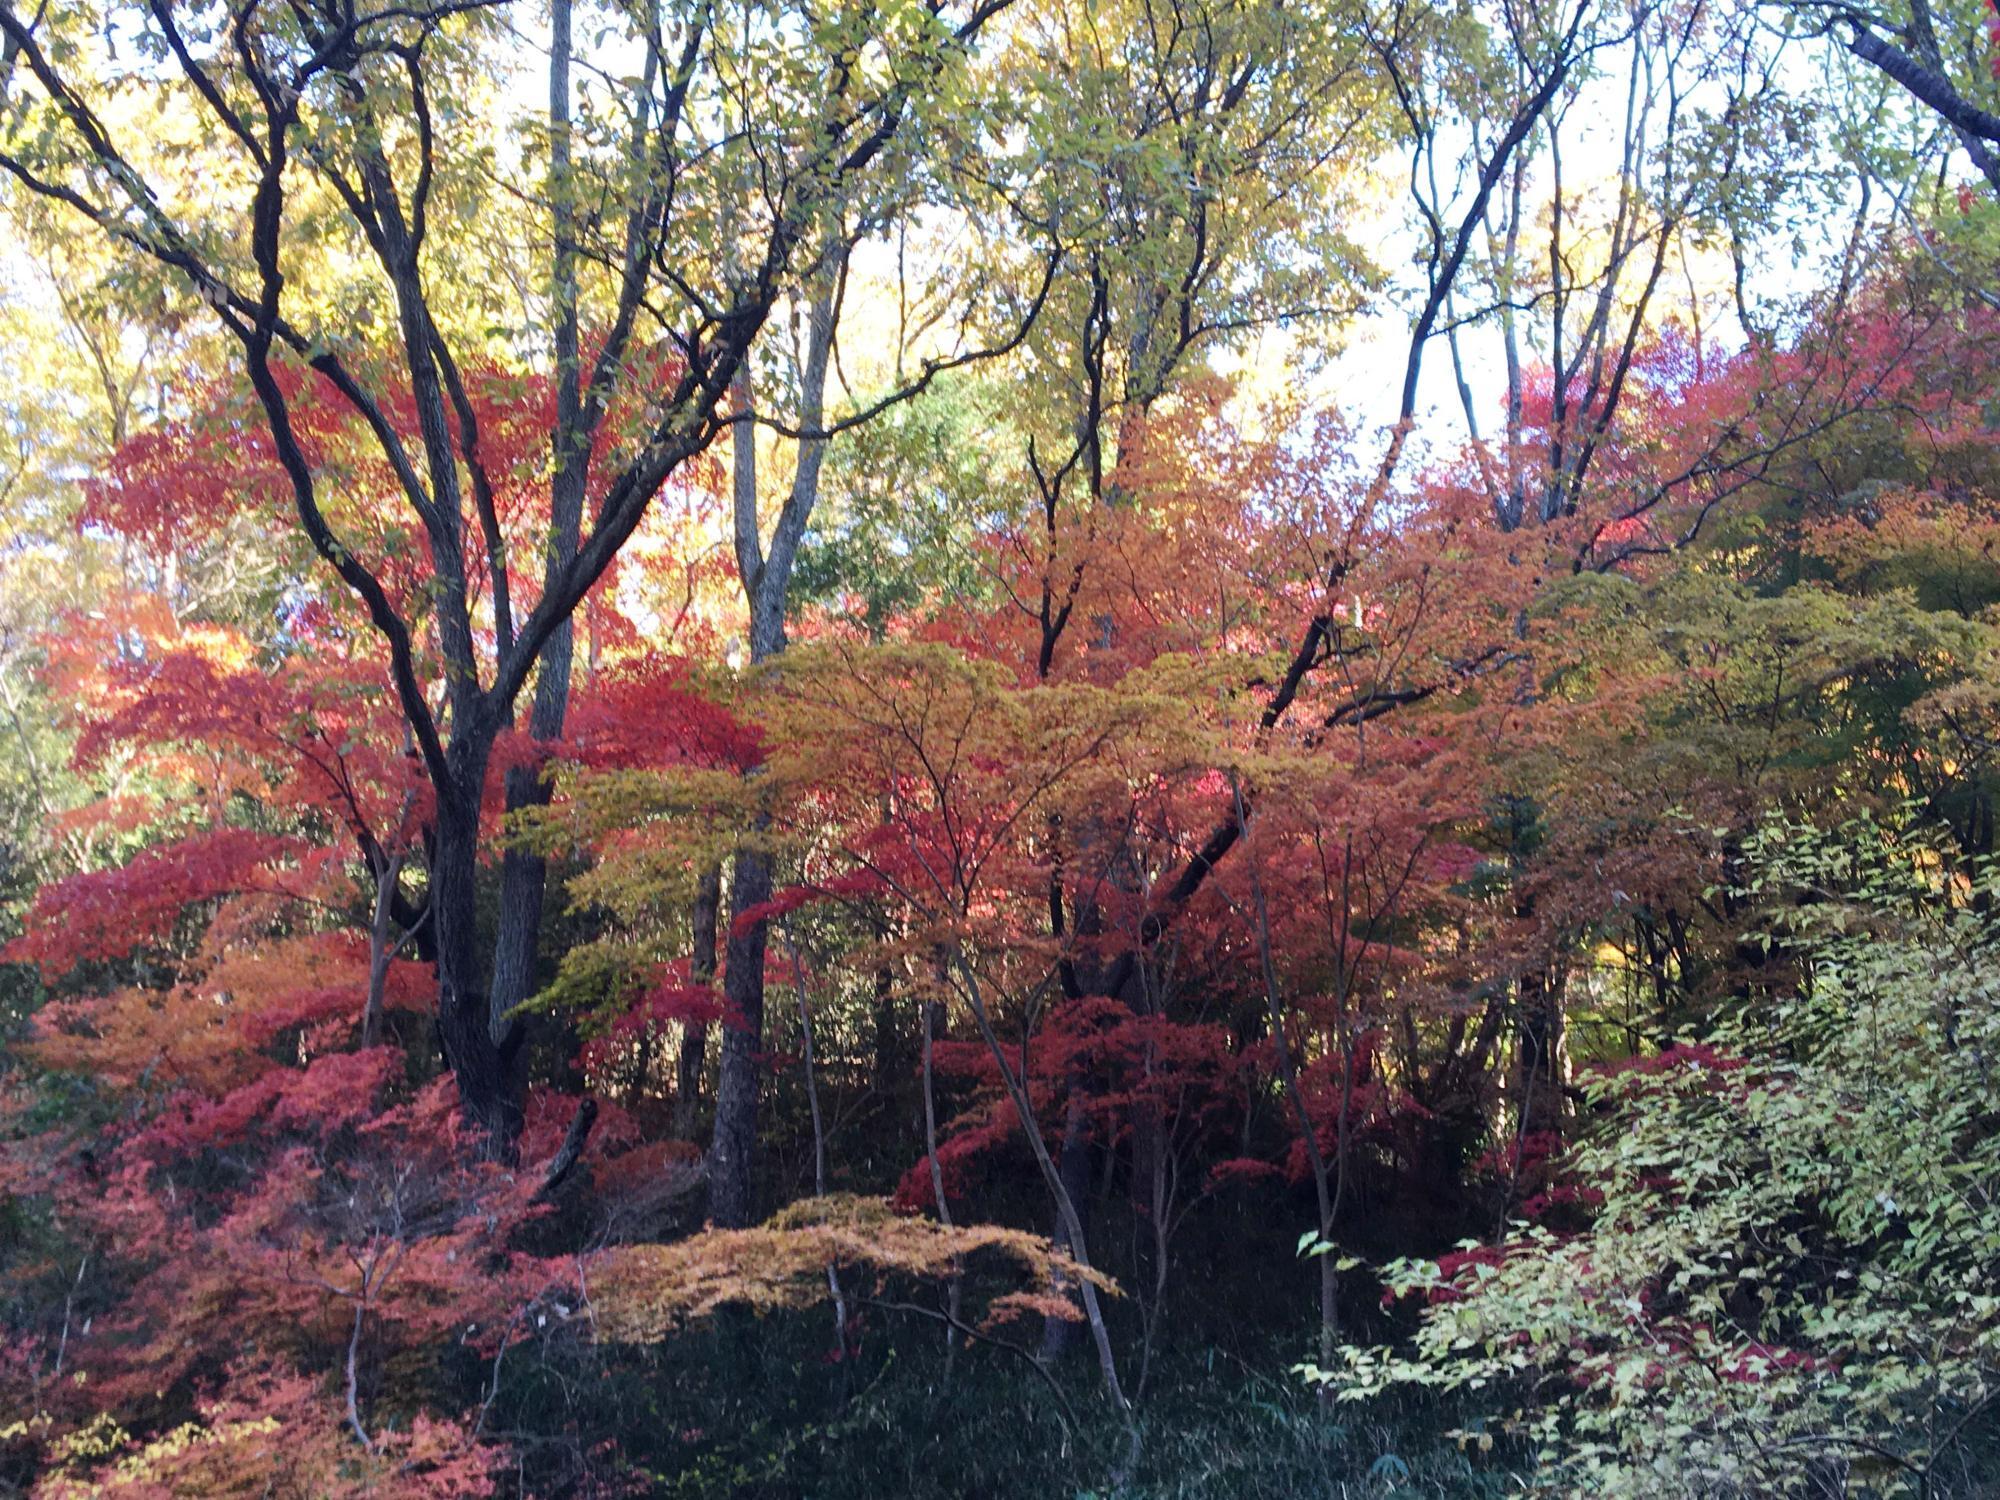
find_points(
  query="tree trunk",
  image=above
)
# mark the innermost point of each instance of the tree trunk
(933, 1018)
(480, 1065)
(888, 1064)
(733, 1148)
(523, 876)
(765, 578)
(380, 950)
(1072, 1205)
(694, 1034)
(1538, 1079)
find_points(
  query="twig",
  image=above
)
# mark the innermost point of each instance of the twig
(69, 1306)
(1066, 1414)
(353, 1403)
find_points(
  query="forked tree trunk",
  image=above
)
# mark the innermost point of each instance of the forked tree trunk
(524, 876)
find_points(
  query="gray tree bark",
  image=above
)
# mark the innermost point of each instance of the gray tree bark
(765, 577)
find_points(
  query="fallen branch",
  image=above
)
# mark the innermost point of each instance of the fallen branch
(574, 1139)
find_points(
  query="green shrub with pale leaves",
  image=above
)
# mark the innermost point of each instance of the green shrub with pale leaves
(1789, 1285)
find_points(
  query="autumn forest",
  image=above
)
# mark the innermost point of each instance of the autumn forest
(999, 748)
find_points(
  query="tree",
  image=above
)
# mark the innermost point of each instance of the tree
(360, 105)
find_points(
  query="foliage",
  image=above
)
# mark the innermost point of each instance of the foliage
(646, 1291)
(877, 626)
(1784, 1275)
